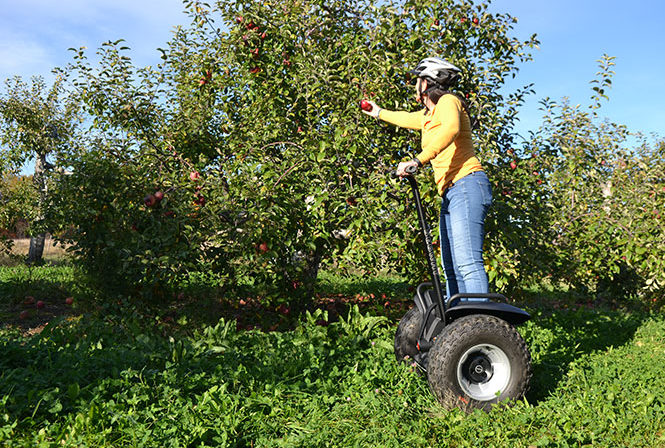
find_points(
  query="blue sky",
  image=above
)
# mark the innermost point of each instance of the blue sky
(574, 34)
(35, 35)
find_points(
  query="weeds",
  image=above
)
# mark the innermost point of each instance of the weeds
(123, 379)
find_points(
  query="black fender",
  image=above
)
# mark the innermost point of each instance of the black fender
(509, 313)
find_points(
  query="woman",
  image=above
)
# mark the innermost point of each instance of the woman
(463, 185)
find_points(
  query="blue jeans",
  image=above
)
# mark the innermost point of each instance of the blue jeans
(462, 231)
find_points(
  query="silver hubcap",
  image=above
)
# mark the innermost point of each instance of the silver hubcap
(483, 372)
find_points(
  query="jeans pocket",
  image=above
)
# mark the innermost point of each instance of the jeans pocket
(485, 188)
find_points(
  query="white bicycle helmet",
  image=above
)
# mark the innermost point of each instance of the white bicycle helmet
(438, 71)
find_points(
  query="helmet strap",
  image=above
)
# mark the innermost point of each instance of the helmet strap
(422, 94)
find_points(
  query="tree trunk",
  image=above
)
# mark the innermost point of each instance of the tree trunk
(36, 248)
(36, 252)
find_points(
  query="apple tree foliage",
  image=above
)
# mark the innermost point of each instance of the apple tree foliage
(252, 131)
(584, 207)
(18, 202)
(18, 208)
(36, 123)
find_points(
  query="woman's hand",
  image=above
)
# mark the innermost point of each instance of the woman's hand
(374, 111)
(401, 168)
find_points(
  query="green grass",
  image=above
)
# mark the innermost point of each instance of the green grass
(124, 380)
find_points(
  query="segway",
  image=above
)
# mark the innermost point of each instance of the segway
(467, 344)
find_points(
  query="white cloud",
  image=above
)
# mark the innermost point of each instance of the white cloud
(35, 34)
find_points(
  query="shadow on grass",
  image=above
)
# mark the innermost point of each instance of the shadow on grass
(559, 338)
(203, 301)
(23, 287)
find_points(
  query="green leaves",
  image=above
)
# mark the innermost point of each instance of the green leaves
(266, 112)
(597, 380)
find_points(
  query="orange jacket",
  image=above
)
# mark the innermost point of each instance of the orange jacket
(446, 139)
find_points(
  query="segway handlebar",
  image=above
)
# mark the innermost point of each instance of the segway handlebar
(410, 170)
(427, 240)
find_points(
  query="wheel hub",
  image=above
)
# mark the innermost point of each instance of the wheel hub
(478, 368)
(483, 372)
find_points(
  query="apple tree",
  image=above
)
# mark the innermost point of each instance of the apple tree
(584, 207)
(36, 122)
(631, 226)
(252, 131)
(18, 206)
(301, 69)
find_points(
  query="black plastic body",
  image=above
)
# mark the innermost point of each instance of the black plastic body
(429, 297)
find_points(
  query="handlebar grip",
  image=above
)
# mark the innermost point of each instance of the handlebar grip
(412, 169)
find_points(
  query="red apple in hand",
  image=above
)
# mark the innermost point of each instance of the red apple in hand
(366, 105)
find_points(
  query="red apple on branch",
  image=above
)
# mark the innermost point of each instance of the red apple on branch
(149, 200)
(194, 176)
(283, 309)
